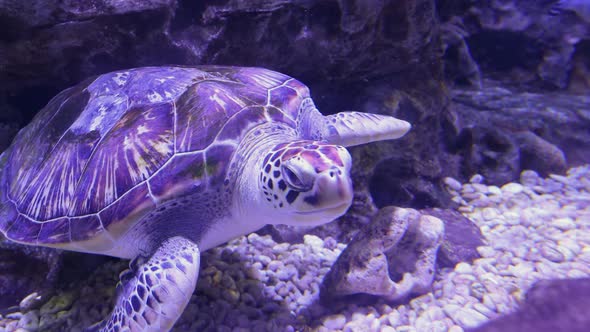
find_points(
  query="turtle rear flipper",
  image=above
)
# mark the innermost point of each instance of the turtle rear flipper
(151, 296)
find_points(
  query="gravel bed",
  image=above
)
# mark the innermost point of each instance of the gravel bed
(536, 229)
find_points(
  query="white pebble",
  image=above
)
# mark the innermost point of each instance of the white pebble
(313, 241)
(476, 178)
(488, 302)
(564, 223)
(568, 255)
(522, 270)
(433, 314)
(571, 245)
(559, 178)
(456, 328)
(30, 300)
(486, 251)
(463, 268)
(489, 213)
(484, 310)
(394, 318)
(513, 188)
(265, 260)
(573, 274)
(480, 188)
(452, 184)
(451, 309)
(494, 190)
(335, 322)
(469, 318)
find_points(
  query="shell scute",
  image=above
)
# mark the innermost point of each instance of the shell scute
(288, 99)
(55, 231)
(139, 144)
(25, 163)
(256, 77)
(24, 230)
(83, 228)
(149, 84)
(57, 179)
(183, 173)
(278, 115)
(201, 112)
(8, 215)
(243, 121)
(218, 158)
(135, 202)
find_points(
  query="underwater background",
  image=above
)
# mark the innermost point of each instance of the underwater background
(491, 185)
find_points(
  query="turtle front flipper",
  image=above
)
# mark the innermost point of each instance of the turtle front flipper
(151, 296)
(354, 128)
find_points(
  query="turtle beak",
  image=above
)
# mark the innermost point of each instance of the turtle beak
(330, 197)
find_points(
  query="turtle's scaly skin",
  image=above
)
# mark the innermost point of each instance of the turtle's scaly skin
(107, 151)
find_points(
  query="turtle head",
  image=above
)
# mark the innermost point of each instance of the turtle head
(306, 182)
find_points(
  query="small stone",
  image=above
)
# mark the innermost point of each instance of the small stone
(463, 268)
(523, 270)
(489, 213)
(480, 188)
(564, 223)
(230, 295)
(31, 301)
(513, 188)
(254, 273)
(57, 303)
(486, 251)
(529, 178)
(573, 274)
(483, 310)
(477, 290)
(482, 201)
(559, 178)
(313, 241)
(465, 209)
(477, 178)
(265, 260)
(469, 318)
(248, 299)
(394, 318)
(451, 309)
(473, 196)
(459, 200)
(489, 302)
(434, 314)
(494, 190)
(286, 273)
(29, 321)
(335, 322)
(568, 255)
(452, 183)
(456, 328)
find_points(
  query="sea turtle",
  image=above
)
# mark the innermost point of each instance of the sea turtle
(156, 164)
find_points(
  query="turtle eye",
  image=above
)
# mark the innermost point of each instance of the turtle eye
(293, 179)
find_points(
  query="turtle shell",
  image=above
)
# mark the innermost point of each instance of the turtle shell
(109, 150)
